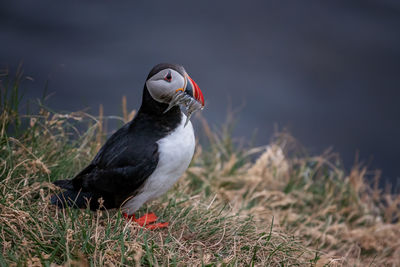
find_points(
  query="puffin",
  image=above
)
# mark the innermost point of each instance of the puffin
(146, 156)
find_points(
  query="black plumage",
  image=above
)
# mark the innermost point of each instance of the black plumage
(127, 158)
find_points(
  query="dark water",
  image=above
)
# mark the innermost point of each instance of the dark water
(328, 71)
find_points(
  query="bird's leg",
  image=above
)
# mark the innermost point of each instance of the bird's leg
(147, 221)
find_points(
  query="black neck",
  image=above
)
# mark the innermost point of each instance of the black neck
(153, 107)
(153, 111)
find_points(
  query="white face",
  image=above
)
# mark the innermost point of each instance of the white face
(163, 85)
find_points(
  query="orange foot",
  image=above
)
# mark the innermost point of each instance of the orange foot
(147, 221)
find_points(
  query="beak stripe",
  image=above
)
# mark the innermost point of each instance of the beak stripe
(197, 92)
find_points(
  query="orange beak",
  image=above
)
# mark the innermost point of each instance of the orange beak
(194, 90)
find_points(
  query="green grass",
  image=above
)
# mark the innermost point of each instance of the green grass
(284, 209)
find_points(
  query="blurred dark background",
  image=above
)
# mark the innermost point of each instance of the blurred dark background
(329, 71)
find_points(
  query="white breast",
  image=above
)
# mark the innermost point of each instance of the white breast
(175, 153)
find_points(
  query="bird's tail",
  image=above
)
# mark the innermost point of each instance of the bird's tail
(65, 184)
(70, 197)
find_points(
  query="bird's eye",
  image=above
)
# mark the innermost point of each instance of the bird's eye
(168, 77)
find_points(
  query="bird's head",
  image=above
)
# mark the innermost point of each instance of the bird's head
(171, 85)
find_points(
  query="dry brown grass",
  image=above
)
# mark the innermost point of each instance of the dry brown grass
(347, 220)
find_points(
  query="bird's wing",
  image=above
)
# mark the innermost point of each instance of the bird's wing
(118, 180)
(121, 166)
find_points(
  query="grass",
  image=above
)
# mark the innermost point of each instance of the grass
(283, 209)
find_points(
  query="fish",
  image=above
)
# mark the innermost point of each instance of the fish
(190, 104)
